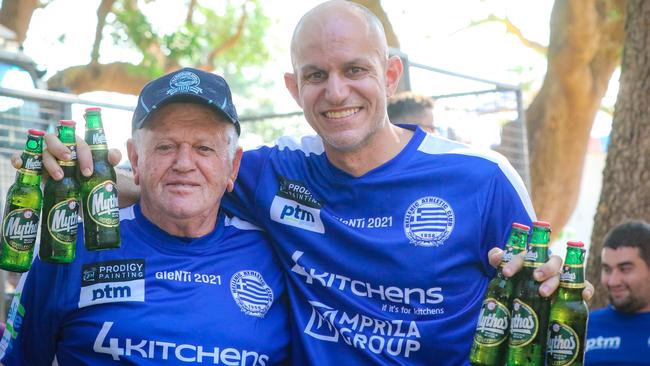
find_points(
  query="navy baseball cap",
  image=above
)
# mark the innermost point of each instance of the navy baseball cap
(186, 85)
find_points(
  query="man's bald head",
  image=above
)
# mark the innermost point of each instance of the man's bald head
(328, 14)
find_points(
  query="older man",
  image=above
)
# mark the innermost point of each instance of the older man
(188, 285)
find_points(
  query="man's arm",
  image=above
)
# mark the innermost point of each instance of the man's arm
(32, 321)
(509, 200)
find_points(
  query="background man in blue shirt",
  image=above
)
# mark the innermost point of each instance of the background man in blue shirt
(619, 334)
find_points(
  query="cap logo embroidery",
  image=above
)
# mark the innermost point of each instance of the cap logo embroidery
(184, 81)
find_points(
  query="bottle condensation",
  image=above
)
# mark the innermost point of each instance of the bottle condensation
(569, 312)
(99, 191)
(490, 339)
(61, 203)
(23, 208)
(530, 311)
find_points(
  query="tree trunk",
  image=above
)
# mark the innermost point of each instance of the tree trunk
(375, 7)
(16, 15)
(583, 52)
(116, 77)
(626, 178)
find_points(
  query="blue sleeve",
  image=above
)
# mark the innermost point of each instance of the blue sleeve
(507, 202)
(242, 201)
(32, 320)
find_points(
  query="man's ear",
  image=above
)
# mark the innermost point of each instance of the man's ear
(133, 158)
(394, 70)
(291, 83)
(236, 161)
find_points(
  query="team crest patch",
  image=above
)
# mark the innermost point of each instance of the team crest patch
(251, 293)
(428, 222)
(184, 81)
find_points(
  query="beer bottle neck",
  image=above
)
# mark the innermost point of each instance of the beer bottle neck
(569, 294)
(93, 120)
(516, 244)
(573, 272)
(30, 173)
(28, 177)
(537, 253)
(67, 137)
(510, 251)
(69, 169)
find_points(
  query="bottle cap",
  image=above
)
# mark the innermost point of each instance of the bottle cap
(520, 226)
(35, 132)
(541, 224)
(575, 244)
(67, 122)
(93, 109)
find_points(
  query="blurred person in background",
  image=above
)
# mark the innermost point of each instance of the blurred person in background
(411, 108)
(619, 334)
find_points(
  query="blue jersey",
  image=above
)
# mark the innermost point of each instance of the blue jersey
(615, 338)
(217, 299)
(389, 267)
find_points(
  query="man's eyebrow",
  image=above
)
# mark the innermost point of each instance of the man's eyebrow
(357, 61)
(627, 263)
(309, 67)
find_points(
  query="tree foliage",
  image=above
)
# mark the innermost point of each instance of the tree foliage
(227, 39)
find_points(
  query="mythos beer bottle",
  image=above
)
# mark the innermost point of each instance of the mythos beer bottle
(490, 340)
(99, 191)
(567, 323)
(529, 318)
(23, 208)
(61, 205)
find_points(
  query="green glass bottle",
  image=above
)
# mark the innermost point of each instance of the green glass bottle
(569, 312)
(23, 208)
(99, 191)
(61, 205)
(530, 311)
(490, 340)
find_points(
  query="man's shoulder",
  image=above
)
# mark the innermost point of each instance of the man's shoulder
(307, 145)
(437, 146)
(600, 312)
(609, 315)
(599, 317)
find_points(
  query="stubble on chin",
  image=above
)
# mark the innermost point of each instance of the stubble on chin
(626, 305)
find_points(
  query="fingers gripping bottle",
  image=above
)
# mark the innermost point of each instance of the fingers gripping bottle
(23, 208)
(99, 191)
(491, 337)
(530, 311)
(567, 323)
(61, 204)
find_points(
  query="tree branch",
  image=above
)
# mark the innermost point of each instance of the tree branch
(232, 40)
(511, 29)
(153, 47)
(375, 7)
(190, 12)
(104, 8)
